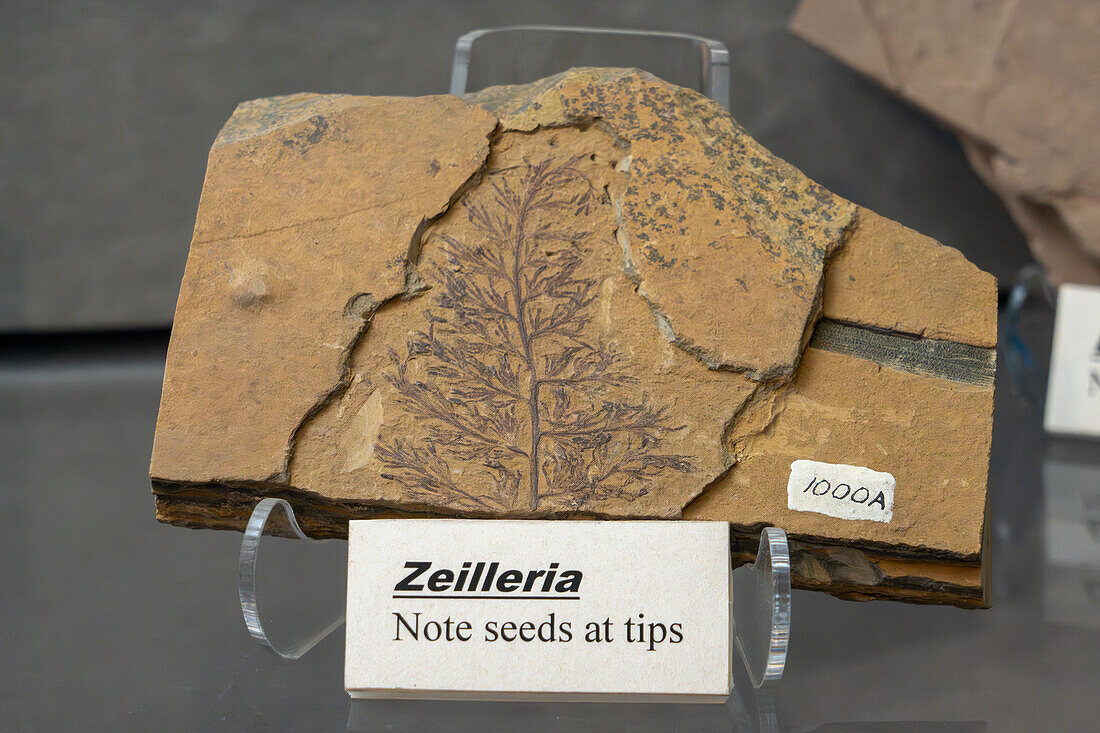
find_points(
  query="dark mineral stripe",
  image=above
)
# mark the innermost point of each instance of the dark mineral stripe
(931, 357)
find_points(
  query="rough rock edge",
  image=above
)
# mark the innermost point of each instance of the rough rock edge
(809, 559)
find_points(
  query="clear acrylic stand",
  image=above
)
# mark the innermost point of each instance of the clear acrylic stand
(278, 612)
(299, 590)
(531, 52)
(284, 616)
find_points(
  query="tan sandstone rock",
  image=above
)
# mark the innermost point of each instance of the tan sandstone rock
(592, 296)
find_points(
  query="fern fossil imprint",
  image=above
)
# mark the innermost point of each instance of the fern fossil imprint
(514, 384)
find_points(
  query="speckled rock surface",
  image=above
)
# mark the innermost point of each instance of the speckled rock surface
(588, 296)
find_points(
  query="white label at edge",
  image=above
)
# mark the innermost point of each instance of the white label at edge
(1073, 394)
(840, 490)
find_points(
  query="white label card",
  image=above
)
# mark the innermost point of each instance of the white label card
(524, 609)
(842, 491)
(1073, 393)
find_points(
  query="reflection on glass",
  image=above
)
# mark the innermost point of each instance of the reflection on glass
(1071, 533)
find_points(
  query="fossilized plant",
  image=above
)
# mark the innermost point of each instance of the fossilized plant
(511, 382)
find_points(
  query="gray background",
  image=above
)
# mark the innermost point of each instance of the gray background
(110, 108)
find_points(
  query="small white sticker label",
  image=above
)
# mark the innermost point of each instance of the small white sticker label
(841, 491)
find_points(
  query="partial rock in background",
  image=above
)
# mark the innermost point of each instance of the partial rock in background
(587, 296)
(1016, 80)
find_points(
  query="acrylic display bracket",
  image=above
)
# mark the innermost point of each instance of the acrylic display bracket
(279, 617)
(713, 57)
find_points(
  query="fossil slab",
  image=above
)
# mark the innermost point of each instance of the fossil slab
(591, 296)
